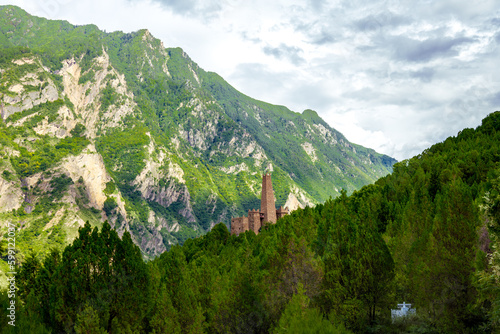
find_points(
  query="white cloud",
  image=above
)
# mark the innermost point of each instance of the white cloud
(394, 76)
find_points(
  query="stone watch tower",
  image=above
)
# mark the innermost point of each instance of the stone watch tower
(267, 203)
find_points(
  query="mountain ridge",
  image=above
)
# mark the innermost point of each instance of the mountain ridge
(138, 134)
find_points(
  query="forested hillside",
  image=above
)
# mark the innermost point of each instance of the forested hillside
(103, 126)
(425, 234)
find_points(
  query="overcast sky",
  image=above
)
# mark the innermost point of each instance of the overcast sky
(396, 76)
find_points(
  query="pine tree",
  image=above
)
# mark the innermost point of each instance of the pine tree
(452, 253)
(358, 266)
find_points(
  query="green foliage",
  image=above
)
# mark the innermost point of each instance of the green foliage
(184, 234)
(7, 175)
(432, 226)
(299, 318)
(78, 130)
(350, 244)
(26, 321)
(99, 284)
(88, 76)
(87, 321)
(124, 153)
(109, 205)
(108, 97)
(110, 188)
(13, 52)
(59, 186)
(55, 42)
(46, 155)
(164, 316)
(68, 103)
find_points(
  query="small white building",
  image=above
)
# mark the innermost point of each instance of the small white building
(403, 310)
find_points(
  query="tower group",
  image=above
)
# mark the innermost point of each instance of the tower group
(267, 213)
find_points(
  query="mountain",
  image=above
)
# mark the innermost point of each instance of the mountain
(112, 126)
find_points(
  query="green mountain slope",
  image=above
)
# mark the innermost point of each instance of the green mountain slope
(113, 126)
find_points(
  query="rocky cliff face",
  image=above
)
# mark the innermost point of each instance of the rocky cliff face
(128, 131)
(88, 169)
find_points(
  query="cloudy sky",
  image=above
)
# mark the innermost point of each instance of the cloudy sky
(396, 76)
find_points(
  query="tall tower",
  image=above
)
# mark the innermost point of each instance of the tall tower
(267, 203)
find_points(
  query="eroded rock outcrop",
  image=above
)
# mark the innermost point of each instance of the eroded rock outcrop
(89, 166)
(11, 196)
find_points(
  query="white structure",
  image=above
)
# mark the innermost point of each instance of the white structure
(402, 311)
